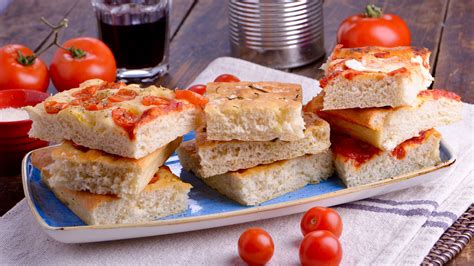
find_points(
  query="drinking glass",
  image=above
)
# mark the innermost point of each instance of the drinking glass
(137, 32)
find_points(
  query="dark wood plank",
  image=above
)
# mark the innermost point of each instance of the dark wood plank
(18, 24)
(425, 26)
(456, 57)
(202, 38)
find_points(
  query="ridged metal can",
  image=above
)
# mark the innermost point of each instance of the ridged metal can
(277, 33)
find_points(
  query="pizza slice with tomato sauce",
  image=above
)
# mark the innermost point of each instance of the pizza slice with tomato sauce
(129, 121)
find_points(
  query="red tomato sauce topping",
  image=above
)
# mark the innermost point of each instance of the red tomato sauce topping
(397, 71)
(155, 178)
(123, 95)
(53, 107)
(437, 94)
(130, 122)
(353, 149)
(125, 119)
(400, 152)
(351, 74)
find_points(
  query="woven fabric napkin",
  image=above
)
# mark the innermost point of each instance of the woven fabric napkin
(396, 228)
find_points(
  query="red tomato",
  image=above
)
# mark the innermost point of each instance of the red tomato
(53, 107)
(70, 67)
(125, 119)
(154, 100)
(320, 218)
(192, 97)
(201, 89)
(320, 248)
(87, 92)
(123, 95)
(227, 78)
(373, 28)
(16, 75)
(256, 246)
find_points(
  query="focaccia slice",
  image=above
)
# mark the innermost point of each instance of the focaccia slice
(129, 121)
(375, 77)
(219, 157)
(385, 128)
(359, 163)
(254, 111)
(83, 169)
(264, 182)
(164, 195)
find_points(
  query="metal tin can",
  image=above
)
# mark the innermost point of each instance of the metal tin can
(277, 33)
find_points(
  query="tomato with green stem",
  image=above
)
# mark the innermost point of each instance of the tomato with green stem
(81, 59)
(21, 69)
(373, 28)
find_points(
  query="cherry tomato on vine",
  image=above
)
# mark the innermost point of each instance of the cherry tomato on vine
(373, 28)
(320, 248)
(227, 78)
(321, 218)
(199, 88)
(20, 69)
(256, 246)
(82, 59)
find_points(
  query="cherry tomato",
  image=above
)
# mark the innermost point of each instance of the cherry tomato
(18, 72)
(320, 248)
(87, 92)
(199, 88)
(154, 100)
(123, 95)
(53, 107)
(373, 28)
(85, 58)
(320, 218)
(227, 78)
(124, 118)
(256, 246)
(192, 97)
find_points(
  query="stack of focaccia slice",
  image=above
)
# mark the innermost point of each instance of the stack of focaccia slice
(109, 169)
(380, 111)
(257, 143)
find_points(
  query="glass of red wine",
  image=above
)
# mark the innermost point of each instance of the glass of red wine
(137, 32)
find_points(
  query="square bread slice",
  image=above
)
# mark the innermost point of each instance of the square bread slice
(83, 169)
(164, 195)
(254, 111)
(264, 182)
(375, 77)
(385, 128)
(219, 157)
(128, 121)
(358, 163)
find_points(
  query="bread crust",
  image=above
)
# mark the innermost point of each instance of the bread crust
(219, 157)
(358, 163)
(96, 209)
(254, 111)
(264, 182)
(386, 127)
(375, 77)
(83, 169)
(97, 129)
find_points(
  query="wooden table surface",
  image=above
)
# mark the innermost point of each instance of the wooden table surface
(199, 35)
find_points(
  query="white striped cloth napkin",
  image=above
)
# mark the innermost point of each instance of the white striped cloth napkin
(396, 228)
